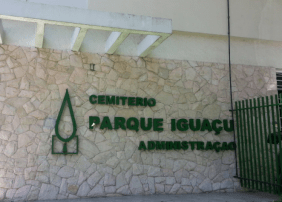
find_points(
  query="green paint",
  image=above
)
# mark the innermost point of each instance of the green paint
(216, 128)
(206, 125)
(182, 125)
(229, 128)
(120, 123)
(184, 145)
(115, 100)
(157, 124)
(224, 146)
(151, 102)
(160, 145)
(177, 145)
(192, 145)
(209, 146)
(66, 100)
(151, 145)
(131, 101)
(139, 101)
(101, 99)
(142, 146)
(149, 125)
(110, 100)
(106, 124)
(93, 119)
(169, 145)
(173, 128)
(123, 99)
(215, 146)
(200, 145)
(133, 124)
(92, 99)
(231, 146)
(193, 127)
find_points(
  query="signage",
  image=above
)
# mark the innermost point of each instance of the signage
(185, 145)
(146, 124)
(65, 140)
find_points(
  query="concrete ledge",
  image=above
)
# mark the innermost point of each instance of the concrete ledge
(208, 197)
(83, 16)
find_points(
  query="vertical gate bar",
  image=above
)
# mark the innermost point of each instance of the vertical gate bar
(279, 139)
(265, 141)
(254, 143)
(261, 142)
(269, 132)
(246, 146)
(242, 143)
(257, 142)
(250, 144)
(275, 142)
(238, 140)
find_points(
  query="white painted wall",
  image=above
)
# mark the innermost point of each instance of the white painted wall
(249, 18)
(201, 29)
(257, 25)
(70, 3)
(214, 48)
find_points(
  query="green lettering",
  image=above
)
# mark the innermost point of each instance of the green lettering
(215, 128)
(177, 145)
(92, 99)
(145, 102)
(182, 125)
(185, 145)
(160, 145)
(193, 127)
(139, 101)
(106, 123)
(142, 145)
(101, 99)
(149, 126)
(117, 100)
(215, 146)
(157, 124)
(110, 100)
(209, 146)
(200, 145)
(224, 146)
(173, 128)
(93, 119)
(151, 145)
(192, 145)
(120, 123)
(123, 99)
(169, 145)
(225, 124)
(131, 101)
(134, 126)
(232, 146)
(151, 102)
(206, 125)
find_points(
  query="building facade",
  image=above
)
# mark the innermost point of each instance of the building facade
(141, 120)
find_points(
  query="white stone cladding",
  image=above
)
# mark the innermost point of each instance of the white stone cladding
(32, 87)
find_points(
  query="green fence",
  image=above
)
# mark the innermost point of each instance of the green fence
(258, 127)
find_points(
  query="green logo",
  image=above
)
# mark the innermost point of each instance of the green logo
(65, 140)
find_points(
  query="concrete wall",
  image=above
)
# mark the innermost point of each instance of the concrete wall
(32, 87)
(201, 29)
(258, 19)
(70, 3)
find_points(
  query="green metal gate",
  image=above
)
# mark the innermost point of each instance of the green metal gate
(259, 143)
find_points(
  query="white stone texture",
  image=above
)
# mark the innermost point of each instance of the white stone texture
(32, 87)
(48, 192)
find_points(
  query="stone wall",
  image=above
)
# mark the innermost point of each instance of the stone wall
(33, 84)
